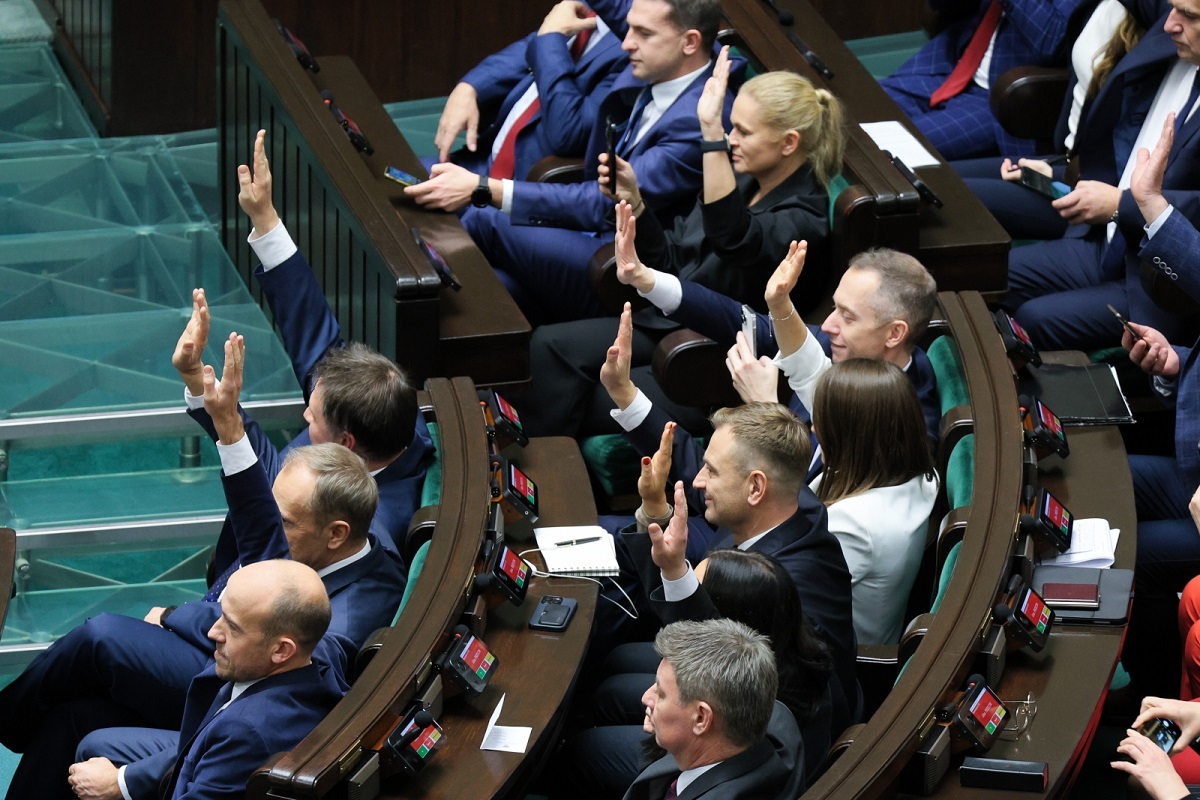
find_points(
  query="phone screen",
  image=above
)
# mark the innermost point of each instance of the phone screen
(436, 261)
(514, 567)
(1040, 183)
(401, 177)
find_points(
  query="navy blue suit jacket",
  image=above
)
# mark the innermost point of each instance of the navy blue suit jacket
(309, 329)
(1106, 137)
(1030, 32)
(666, 159)
(569, 92)
(218, 752)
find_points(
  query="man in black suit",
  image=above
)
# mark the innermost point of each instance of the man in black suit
(709, 708)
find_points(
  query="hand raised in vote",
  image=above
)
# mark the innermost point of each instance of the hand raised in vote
(652, 482)
(630, 270)
(254, 189)
(614, 375)
(190, 348)
(669, 547)
(221, 397)
(711, 104)
(1146, 182)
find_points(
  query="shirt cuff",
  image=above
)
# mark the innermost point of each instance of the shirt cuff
(121, 783)
(192, 402)
(273, 247)
(506, 197)
(635, 413)
(1165, 386)
(803, 367)
(667, 293)
(237, 457)
(682, 589)
(1154, 227)
(644, 521)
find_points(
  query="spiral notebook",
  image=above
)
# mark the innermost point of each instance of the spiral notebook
(595, 557)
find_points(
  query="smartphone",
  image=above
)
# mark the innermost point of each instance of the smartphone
(1043, 185)
(552, 613)
(611, 130)
(1125, 323)
(401, 177)
(1072, 595)
(1162, 732)
(750, 329)
(439, 264)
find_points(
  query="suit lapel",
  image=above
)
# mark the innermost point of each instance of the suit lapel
(743, 763)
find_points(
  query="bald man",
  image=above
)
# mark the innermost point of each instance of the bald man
(261, 696)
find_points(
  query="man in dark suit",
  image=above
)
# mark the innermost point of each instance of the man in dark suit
(356, 397)
(539, 235)
(116, 670)
(709, 708)
(1058, 289)
(987, 38)
(749, 493)
(882, 307)
(540, 93)
(261, 696)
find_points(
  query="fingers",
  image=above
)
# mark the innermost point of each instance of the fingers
(472, 134)
(680, 503)
(261, 167)
(624, 341)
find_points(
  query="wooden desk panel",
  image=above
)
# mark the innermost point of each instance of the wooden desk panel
(537, 669)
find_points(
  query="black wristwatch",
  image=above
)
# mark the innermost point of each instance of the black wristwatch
(481, 196)
(707, 146)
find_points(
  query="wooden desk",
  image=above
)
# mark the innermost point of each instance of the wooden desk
(347, 218)
(961, 244)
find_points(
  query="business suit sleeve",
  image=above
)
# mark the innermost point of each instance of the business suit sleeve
(697, 606)
(568, 108)
(257, 525)
(144, 777)
(232, 748)
(306, 323)
(1173, 249)
(497, 75)
(613, 13)
(192, 621)
(267, 452)
(1041, 23)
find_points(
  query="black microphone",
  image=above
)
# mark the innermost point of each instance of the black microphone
(1001, 614)
(423, 719)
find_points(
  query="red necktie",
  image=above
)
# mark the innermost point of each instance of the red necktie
(968, 64)
(506, 157)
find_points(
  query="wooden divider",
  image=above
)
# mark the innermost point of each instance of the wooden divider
(871, 766)
(351, 222)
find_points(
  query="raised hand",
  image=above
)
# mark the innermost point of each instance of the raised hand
(568, 17)
(783, 280)
(221, 397)
(190, 348)
(614, 375)
(254, 189)
(1146, 182)
(652, 483)
(711, 104)
(630, 270)
(668, 548)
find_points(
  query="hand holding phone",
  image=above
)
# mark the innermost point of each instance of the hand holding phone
(611, 130)
(1042, 184)
(1137, 337)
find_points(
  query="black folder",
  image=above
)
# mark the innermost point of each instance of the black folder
(1079, 395)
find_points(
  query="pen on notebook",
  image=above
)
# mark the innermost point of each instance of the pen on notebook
(571, 542)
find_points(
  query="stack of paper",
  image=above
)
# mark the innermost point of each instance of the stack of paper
(1093, 544)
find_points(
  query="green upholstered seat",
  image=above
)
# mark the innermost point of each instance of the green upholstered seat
(944, 578)
(414, 570)
(947, 367)
(960, 473)
(431, 490)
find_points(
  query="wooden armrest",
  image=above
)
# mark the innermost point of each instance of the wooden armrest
(842, 743)
(420, 531)
(612, 294)
(556, 169)
(690, 368)
(951, 532)
(1027, 101)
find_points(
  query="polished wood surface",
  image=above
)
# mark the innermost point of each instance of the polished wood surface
(961, 244)
(348, 219)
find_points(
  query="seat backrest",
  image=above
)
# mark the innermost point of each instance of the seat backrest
(431, 489)
(948, 369)
(944, 578)
(960, 473)
(414, 571)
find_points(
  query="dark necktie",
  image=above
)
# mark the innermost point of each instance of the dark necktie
(968, 64)
(1182, 115)
(635, 120)
(214, 592)
(672, 794)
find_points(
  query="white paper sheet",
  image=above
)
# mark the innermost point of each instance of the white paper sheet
(895, 138)
(506, 739)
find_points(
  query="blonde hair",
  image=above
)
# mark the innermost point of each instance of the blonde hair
(1128, 33)
(789, 102)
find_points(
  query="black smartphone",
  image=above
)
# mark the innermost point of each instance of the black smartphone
(401, 177)
(435, 258)
(1162, 732)
(611, 129)
(1041, 184)
(552, 613)
(1125, 323)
